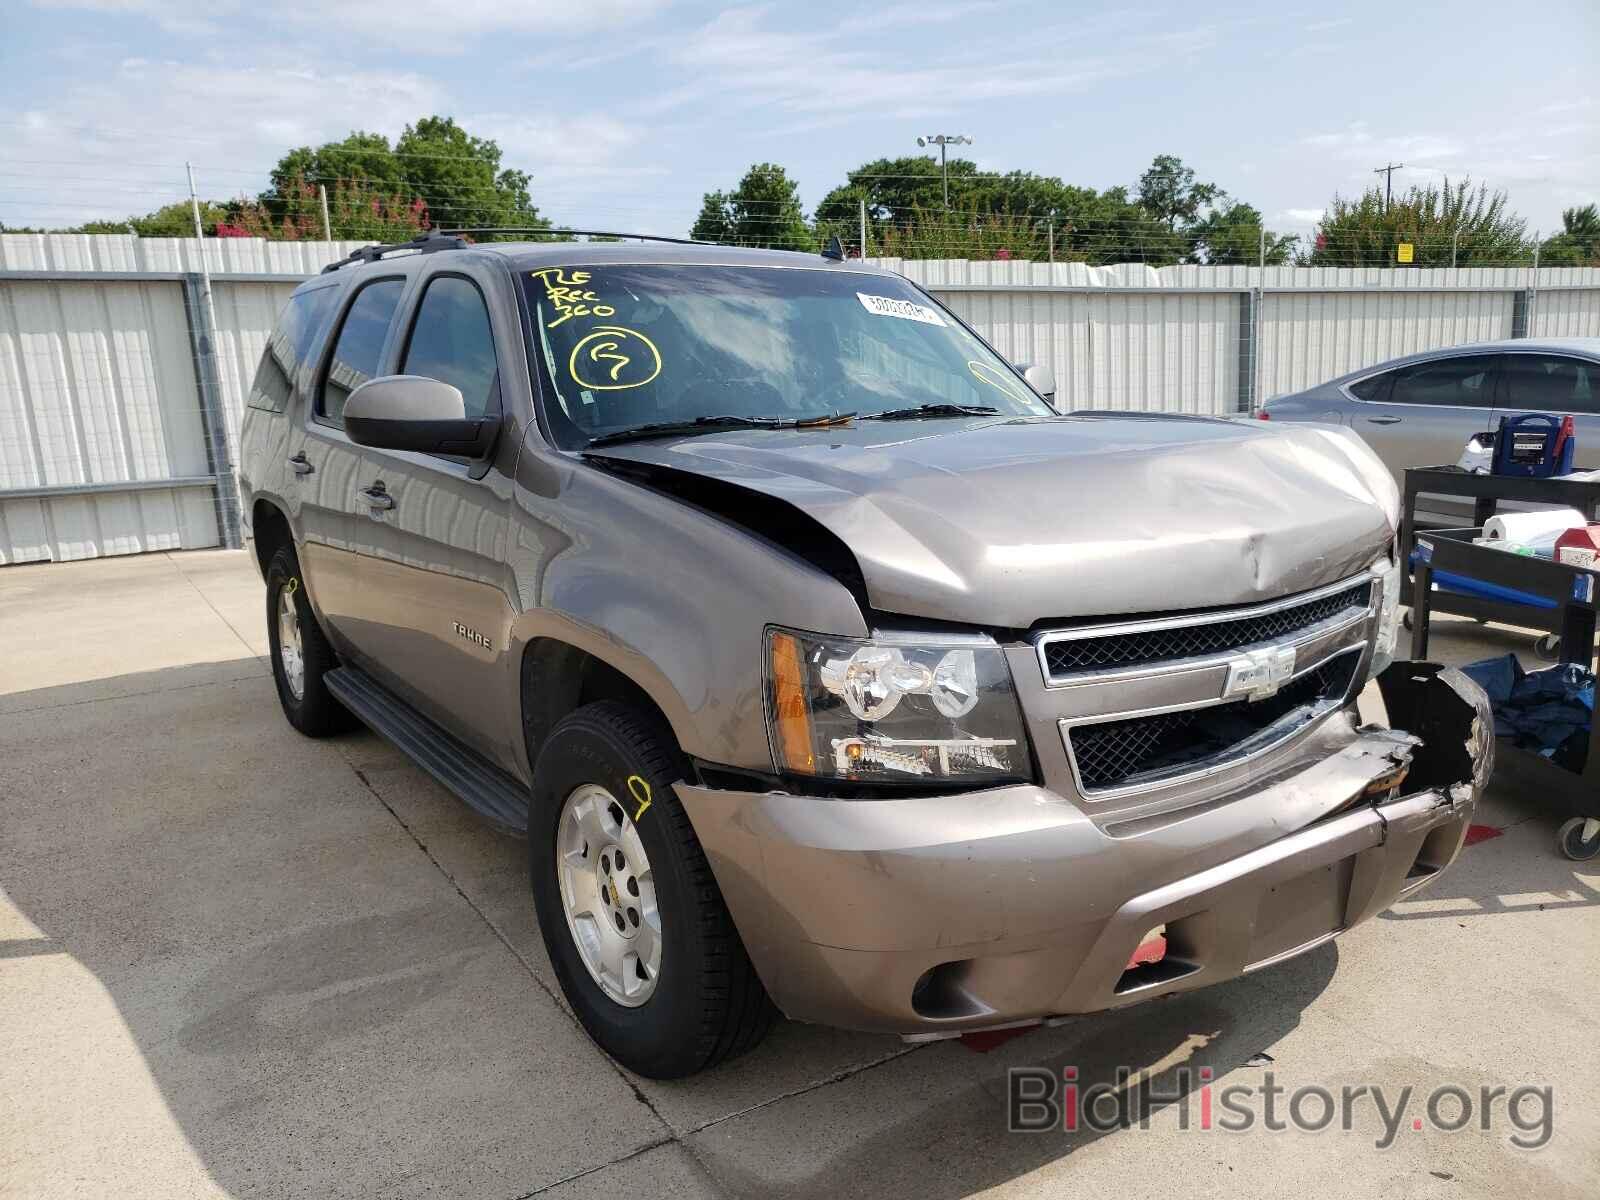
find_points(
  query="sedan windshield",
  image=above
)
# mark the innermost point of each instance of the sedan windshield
(629, 346)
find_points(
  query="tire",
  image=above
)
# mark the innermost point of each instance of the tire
(703, 1004)
(1548, 647)
(1572, 842)
(313, 711)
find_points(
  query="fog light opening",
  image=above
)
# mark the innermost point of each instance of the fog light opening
(940, 992)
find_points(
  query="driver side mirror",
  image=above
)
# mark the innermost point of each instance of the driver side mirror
(1040, 378)
(411, 412)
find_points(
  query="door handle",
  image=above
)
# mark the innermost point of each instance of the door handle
(1384, 420)
(299, 465)
(377, 496)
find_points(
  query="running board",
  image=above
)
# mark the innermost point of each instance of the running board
(494, 794)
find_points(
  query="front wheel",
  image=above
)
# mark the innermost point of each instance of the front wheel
(635, 925)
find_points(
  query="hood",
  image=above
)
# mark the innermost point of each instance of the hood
(1006, 522)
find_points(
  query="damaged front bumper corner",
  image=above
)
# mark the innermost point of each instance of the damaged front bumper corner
(932, 916)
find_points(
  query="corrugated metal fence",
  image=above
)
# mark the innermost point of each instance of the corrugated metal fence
(120, 403)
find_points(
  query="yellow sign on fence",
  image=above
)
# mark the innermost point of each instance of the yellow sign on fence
(1402, 252)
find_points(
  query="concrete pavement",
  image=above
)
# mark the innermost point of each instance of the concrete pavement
(237, 962)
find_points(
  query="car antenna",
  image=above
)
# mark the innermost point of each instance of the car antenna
(834, 249)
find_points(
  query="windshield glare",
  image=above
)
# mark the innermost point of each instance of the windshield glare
(628, 345)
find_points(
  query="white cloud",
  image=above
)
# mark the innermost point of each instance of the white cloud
(414, 24)
(117, 145)
(831, 74)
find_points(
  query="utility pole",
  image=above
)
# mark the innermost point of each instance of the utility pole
(327, 226)
(862, 216)
(1455, 237)
(1051, 230)
(942, 140)
(1388, 181)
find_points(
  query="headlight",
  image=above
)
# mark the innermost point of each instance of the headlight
(889, 711)
(1384, 645)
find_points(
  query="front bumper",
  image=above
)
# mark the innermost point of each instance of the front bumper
(930, 916)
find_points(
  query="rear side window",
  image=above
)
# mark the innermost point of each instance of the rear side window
(1374, 387)
(451, 341)
(297, 330)
(357, 353)
(1461, 382)
(1550, 382)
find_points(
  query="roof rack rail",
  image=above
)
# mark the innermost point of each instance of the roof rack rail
(433, 240)
(643, 237)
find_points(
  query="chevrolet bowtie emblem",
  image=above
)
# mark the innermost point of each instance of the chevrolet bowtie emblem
(1257, 674)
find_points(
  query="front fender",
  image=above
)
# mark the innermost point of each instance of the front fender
(673, 597)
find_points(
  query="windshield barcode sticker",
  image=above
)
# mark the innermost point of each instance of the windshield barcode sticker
(887, 306)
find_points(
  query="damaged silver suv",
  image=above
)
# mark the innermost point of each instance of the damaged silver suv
(829, 670)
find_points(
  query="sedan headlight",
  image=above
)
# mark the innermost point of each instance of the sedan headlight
(892, 711)
(1386, 642)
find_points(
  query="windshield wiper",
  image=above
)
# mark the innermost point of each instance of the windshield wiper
(931, 410)
(655, 429)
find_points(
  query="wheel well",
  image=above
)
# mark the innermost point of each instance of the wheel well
(271, 530)
(558, 678)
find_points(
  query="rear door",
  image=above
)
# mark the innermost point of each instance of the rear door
(1554, 383)
(435, 604)
(326, 464)
(1421, 415)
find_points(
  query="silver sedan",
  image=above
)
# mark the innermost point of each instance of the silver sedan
(1420, 410)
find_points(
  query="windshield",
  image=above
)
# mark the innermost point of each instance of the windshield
(624, 346)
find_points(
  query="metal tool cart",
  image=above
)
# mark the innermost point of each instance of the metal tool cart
(1488, 492)
(1573, 592)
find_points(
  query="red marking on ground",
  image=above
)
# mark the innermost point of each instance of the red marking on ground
(1481, 833)
(1152, 951)
(986, 1040)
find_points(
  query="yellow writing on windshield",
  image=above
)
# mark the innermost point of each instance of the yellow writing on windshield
(612, 358)
(569, 297)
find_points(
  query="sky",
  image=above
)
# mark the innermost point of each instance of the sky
(625, 112)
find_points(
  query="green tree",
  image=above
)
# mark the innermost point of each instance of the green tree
(170, 220)
(1578, 243)
(1477, 225)
(763, 210)
(456, 175)
(1232, 236)
(1169, 193)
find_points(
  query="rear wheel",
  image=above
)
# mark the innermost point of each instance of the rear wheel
(301, 655)
(635, 925)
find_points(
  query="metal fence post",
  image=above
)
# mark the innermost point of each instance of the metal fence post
(1249, 303)
(213, 417)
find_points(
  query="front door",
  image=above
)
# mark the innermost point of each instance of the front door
(436, 601)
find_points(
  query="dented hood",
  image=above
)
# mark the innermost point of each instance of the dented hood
(1005, 522)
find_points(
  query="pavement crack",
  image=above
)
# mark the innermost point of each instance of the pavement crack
(527, 966)
(234, 629)
(645, 1149)
(837, 1077)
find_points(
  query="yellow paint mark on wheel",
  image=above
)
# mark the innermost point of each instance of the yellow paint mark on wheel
(640, 790)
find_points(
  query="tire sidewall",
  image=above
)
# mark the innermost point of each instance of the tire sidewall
(653, 1037)
(280, 571)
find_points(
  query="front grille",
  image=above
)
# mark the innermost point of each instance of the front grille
(1139, 750)
(1115, 651)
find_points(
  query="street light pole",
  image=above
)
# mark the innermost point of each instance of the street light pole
(942, 140)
